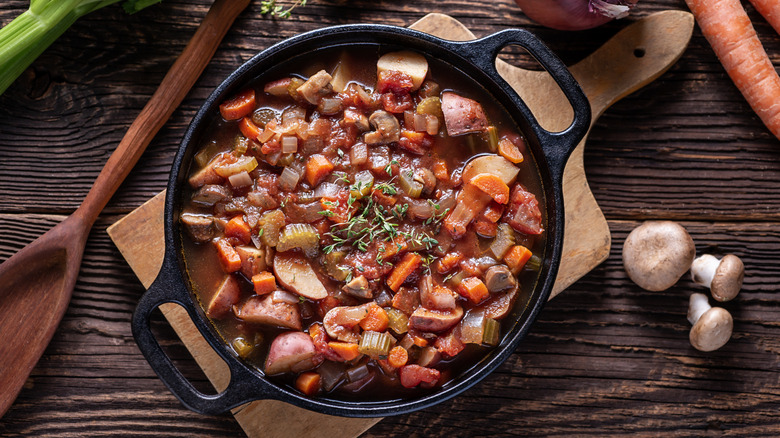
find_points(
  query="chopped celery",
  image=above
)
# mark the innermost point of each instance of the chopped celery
(492, 332)
(491, 138)
(534, 263)
(408, 184)
(398, 321)
(375, 344)
(302, 236)
(242, 347)
(505, 238)
(364, 180)
(243, 163)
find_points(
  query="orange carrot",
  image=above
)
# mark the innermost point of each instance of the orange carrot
(403, 269)
(493, 212)
(228, 256)
(516, 258)
(264, 283)
(473, 289)
(238, 228)
(347, 350)
(238, 106)
(485, 228)
(509, 150)
(308, 383)
(248, 128)
(440, 170)
(493, 186)
(769, 9)
(449, 261)
(729, 31)
(317, 168)
(376, 320)
(398, 357)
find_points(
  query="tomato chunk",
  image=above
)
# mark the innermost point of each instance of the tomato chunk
(523, 213)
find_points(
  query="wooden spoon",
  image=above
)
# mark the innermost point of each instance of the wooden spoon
(37, 282)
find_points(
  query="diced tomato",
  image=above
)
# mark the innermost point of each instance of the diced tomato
(493, 212)
(394, 82)
(523, 213)
(440, 170)
(450, 344)
(397, 103)
(413, 375)
(415, 142)
(272, 146)
(321, 341)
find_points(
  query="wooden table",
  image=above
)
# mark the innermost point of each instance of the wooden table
(605, 357)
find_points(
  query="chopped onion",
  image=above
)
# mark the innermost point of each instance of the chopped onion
(420, 122)
(358, 155)
(331, 374)
(356, 373)
(472, 327)
(240, 179)
(504, 240)
(289, 144)
(329, 106)
(408, 184)
(289, 179)
(282, 296)
(364, 180)
(326, 190)
(420, 208)
(244, 163)
(431, 124)
(409, 119)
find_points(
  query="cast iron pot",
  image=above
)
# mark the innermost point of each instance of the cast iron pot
(475, 59)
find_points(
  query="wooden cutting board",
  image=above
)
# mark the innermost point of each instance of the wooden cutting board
(631, 59)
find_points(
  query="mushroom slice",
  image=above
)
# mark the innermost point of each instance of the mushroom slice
(316, 87)
(411, 63)
(723, 277)
(295, 274)
(387, 128)
(499, 278)
(202, 228)
(359, 287)
(265, 310)
(434, 320)
(657, 253)
(499, 305)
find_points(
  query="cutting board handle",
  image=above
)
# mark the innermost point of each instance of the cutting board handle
(557, 145)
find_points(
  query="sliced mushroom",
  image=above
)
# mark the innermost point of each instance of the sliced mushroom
(435, 297)
(386, 128)
(316, 87)
(723, 277)
(357, 119)
(268, 311)
(499, 278)
(712, 326)
(425, 177)
(295, 274)
(434, 320)
(210, 194)
(200, 227)
(228, 293)
(499, 305)
(359, 287)
(492, 164)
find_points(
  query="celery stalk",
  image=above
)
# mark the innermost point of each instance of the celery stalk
(28, 35)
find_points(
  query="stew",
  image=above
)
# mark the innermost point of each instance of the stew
(366, 226)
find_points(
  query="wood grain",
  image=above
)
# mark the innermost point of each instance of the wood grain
(604, 359)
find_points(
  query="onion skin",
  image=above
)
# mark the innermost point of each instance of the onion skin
(574, 14)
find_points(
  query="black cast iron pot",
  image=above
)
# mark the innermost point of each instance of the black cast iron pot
(475, 59)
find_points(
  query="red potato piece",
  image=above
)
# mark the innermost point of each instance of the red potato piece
(295, 274)
(292, 352)
(434, 321)
(228, 293)
(252, 260)
(263, 310)
(500, 304)
(413, 375)
(462, 115)
(523, 213)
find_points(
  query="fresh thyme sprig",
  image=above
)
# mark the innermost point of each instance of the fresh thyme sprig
(270, 7)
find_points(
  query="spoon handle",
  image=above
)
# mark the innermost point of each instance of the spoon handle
(172, 90)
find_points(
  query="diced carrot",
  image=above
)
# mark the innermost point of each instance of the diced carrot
(509, 150)
(238, 106)
(418, 340)
(449, 261)
(516, 258)
(408, 264)
(308, 383)
(440, 170)
(493, 186)
(347, 350)
(382, 199)
(248, 128)
(485, 228)
(317, 168)
(473, 289)
(398, 357)
(228, 257)
(389, 249)
(238, 228)
(493, 212)
(376, 320)
(264, 283)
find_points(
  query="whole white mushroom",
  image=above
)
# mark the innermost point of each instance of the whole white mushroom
(712, 326)
(723, 277)
(657, 253)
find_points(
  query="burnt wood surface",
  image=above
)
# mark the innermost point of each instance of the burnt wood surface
(605, 357)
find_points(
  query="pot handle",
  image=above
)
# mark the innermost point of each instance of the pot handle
(484, 52)
(241, 388)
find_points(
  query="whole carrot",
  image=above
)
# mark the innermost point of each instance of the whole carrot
(770, 9)
(729, 31)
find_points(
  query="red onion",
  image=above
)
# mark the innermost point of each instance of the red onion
(575, 14)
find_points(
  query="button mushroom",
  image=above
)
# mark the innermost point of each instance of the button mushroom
(712, 326)
(387, 128)
(499, 278)
(657, 253)
(316, 87)
(359, 287)
(723, 277)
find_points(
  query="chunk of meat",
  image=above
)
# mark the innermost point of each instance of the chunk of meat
(252, 260)
(462, 115)
(450, 345)
(295, 274)
(413, 375)
(435, 321)
(228, 293)
(292, 352)
(267, 311)
(523, 213)
(316, 87)
(210, 194)
(200, 227)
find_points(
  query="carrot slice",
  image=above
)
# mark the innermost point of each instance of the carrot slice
(317, 168)
(376, 320)
(347, 350)
(473, 289)
(440, 170)
(238, 106)
(408, 264)
(398, 357)
(248, 128)
(264, 283)
(485, 228)
(449, 261)
(308, 383)
(493, 186)
(228, 256)
(516, 258)
(238, 228)
(509, 150)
